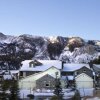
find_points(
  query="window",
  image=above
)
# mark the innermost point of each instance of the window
(47, 85)
(75, 73)
(35, 63)
(31, 64)
(84, 70)
(21, 73)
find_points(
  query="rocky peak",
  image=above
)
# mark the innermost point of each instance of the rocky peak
(2, 36)
(76, 41)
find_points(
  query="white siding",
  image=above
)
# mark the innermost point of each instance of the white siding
(30, 81)
(24, 74)
(84, 81)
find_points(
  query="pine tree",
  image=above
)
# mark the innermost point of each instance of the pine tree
(76, 96)
(30, 96)
(4, 87)
(58, 90)
(14, 90)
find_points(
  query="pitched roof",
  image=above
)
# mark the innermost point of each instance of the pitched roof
(40, 74)
(46, 64)
(74, 67)
(96, 67)
(47, 75)
(82, 75)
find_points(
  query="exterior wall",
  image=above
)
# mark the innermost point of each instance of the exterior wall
(65, 73)
(27, 84)
(84, 81)
(24, 74)
(44, 81)
(82, 70)
(27, 73)
(31, 72)
(30, 81)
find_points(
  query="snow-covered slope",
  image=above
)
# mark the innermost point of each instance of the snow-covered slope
(72, 50)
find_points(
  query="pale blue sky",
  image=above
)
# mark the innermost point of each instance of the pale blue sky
(51, 17)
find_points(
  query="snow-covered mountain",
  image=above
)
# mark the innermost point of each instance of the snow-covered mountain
(70, 49)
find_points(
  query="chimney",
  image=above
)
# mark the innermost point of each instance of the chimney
(63, 64)
(91, 64)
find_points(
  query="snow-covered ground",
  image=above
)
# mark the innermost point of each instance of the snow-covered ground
(23, 93)
(86, 92)
(68, 93)
(95, 98)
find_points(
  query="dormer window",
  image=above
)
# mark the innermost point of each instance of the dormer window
(35, 63)
(31, 65)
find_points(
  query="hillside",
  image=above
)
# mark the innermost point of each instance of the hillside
(69, 49)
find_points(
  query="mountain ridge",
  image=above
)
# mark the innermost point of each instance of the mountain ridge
(69, 49)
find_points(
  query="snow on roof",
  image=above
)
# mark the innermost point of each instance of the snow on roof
(6, 72)
(1, 72)
(96, 67)
(14, 71)
(63, 78)
(70, 77)
(73, 67)
(7, 77)
(46, 64)
(93, 73)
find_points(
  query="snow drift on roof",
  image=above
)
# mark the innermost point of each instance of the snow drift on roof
(73, 67)
(45, 65)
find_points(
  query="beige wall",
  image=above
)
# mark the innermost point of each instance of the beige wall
(30, 81)
(84, 81)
